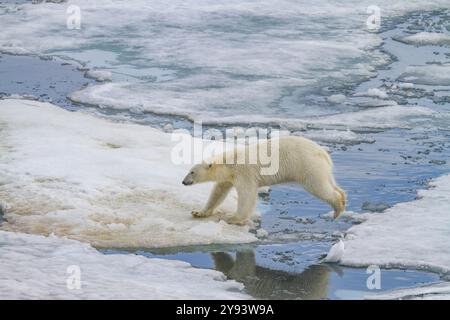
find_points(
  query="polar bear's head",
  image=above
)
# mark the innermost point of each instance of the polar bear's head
(199, 173)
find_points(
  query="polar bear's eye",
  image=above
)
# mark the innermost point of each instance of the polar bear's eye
(192, 172)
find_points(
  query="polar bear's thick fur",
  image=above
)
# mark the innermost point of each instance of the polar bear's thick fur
(300, 160)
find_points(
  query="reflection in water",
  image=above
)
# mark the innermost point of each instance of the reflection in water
(266, 283)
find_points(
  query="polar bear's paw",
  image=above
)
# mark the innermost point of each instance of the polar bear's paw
(201, 213)
(236, 220)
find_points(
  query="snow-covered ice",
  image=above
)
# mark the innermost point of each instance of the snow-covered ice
(99, 75)
(184, 58)
(410, 235)
(432, 74)
(414, 235)
(427, 38)
(337, 98)
(38, 267)
(335, 136)
(435, 291)
(373, 92)
(109, 184)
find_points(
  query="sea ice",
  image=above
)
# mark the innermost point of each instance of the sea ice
(373, 92)
(432, 74)
(427, 38)
(412, 235)
(435, 291)
(99, 75)
(37, 267)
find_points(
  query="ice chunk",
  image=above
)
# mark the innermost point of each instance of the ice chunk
(433, 74)
(427, 38)
(336, 136)
(373, 92)
(262, 233)
(435, 291)
(411, 235)
(37, 267)
(337, 98)
(99, 75)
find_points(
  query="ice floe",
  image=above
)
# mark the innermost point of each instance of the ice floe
(414, 235)
(373, 92)
(427, 38)
(38, 267)
(432, 74)
(99, 75)
(435, 291)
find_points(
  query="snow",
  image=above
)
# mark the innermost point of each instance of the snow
(335, 136)
(185, 59)
(405, 85)
(427, 38)
(391, 116)
(432, 74)
(337, 98)
(373, 92)
(109, 184)
(37, 267)
(435, 291)
(261, 233)
(99, 75)
(412, 235)
(382, 118)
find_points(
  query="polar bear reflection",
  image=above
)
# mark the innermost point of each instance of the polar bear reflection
(266, 283)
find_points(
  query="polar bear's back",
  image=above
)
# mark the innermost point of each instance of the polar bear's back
(299, 159)
(302, 149)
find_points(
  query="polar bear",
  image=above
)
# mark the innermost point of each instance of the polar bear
(300, 160)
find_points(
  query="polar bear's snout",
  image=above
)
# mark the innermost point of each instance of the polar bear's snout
(188, 180)
(198, 174)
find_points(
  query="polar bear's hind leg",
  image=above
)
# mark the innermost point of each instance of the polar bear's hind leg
(330, 193)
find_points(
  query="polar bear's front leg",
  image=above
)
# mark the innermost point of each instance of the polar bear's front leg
(247, 195)
(218, 194)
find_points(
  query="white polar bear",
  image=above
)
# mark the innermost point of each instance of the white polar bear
(300, 160)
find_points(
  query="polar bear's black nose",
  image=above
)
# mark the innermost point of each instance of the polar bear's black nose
(187, 183)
